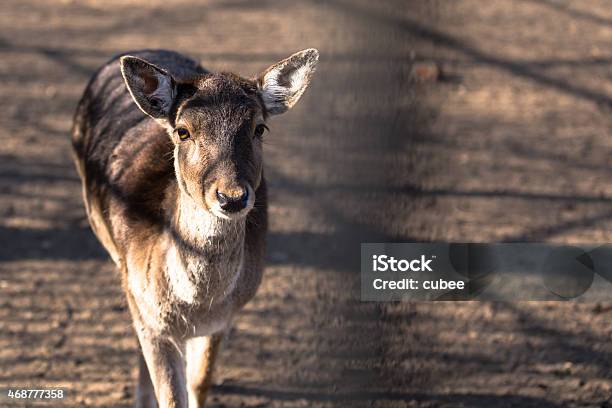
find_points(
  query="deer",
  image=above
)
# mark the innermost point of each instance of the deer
(170, 157)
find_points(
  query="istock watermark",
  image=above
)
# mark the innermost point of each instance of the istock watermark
(470, 271)
(384, 263)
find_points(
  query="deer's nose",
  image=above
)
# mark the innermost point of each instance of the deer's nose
(234, 201)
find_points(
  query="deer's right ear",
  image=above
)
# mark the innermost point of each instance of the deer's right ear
(152, 88)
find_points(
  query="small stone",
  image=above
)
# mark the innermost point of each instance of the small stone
(426, 72)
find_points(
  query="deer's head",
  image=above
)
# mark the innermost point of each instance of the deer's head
(216, 122)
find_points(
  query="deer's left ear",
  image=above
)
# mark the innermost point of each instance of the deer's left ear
(282, 85)
(152, 88)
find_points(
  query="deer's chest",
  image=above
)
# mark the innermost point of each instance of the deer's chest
(196, 295)
(201, 278)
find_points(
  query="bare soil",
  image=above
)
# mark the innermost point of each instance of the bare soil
(507, 140)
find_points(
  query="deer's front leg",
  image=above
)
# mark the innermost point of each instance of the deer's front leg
(167, 370)
(201, 354)
(145, 393)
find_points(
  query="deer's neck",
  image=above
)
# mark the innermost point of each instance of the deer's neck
(205, 252)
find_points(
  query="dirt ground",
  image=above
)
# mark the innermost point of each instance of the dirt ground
(510, 143)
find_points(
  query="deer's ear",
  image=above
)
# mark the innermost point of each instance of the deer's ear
(152, 88)
(282, 85)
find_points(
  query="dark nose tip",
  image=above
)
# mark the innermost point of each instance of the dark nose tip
(233, 203)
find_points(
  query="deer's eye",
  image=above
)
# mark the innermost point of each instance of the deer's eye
(183, 133)
(260, 130)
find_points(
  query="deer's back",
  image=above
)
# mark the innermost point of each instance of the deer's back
(124, 157)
